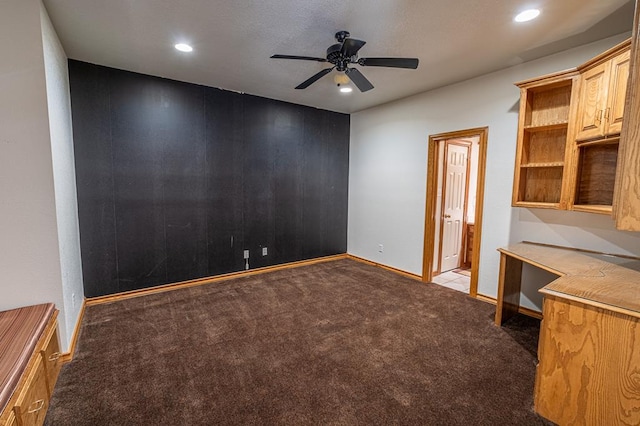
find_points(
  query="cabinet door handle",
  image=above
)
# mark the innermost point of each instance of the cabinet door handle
(599, 116)
(37, 406)
(54, 356)
(606, 113)
(447, 216)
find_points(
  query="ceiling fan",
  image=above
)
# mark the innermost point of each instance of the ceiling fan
(345, 53)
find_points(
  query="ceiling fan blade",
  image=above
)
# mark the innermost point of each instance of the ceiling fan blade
(303, 58)
(359, 80)
(351, 46)
(411, 63)
(315, 78)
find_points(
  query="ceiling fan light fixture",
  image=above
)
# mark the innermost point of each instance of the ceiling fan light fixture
(346, 89)
(527, 15)
(183, 47)
(341, 79)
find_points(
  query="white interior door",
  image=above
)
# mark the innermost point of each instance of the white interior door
(453, 204)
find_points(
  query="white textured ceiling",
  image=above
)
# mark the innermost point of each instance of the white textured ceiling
(233, 40)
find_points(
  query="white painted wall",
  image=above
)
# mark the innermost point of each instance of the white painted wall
(388, 166)
(64, 175)
(30, 261)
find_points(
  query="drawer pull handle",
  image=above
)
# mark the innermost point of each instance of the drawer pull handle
(37, 406)
(598, 117)
(54, 356)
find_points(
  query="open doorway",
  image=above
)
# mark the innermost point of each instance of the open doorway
(453, 222)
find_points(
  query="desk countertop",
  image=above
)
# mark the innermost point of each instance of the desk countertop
(600, 280)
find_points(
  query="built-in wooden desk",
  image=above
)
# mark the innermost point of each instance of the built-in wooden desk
(589, 349)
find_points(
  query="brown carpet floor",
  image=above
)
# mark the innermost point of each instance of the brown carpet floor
(334, 343)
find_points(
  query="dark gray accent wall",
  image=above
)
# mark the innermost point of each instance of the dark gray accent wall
(176, 180)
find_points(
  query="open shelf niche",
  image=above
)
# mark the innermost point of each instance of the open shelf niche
(596, 176)
(543, 134)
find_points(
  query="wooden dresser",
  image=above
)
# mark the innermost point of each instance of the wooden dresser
(34, 367)
(589, 348)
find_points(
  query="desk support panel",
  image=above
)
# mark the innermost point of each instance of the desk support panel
(510, 281)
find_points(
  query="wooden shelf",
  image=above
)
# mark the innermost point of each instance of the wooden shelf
(593, 208)
(548, 126)
(552, 164)
(537, 204)
(602, 141)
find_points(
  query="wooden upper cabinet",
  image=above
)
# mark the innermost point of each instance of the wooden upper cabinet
(568, 135)
(617, 91)
(603, 83)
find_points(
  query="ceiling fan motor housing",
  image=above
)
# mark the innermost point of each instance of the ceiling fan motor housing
(333, 53)
(337, 58)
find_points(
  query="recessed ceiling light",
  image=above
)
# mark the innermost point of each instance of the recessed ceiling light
(527, 15)
(346, 89)
(183, 47)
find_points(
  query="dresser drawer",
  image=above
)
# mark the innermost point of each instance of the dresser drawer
(33, 401)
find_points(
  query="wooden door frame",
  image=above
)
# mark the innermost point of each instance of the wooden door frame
(469, 147)
(432, 190)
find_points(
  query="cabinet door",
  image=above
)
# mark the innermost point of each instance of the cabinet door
(593, 93)
(617, 92)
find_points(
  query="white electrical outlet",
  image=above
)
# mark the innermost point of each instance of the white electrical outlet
(380, 248)
(264, 251)
(246, 254)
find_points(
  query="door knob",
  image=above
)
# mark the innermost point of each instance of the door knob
(447, 216)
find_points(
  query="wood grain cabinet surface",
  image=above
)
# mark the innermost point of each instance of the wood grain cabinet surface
(33, 400)
(603, 84)
(589, 360)
(602, 95)
(11, 419)
(51, 358)
(626, 204)
(568, 135)
(589, 346)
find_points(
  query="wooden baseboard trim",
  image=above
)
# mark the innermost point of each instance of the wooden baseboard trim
(201, 281)
(522, 310)
(388, 268)
(68, 356)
